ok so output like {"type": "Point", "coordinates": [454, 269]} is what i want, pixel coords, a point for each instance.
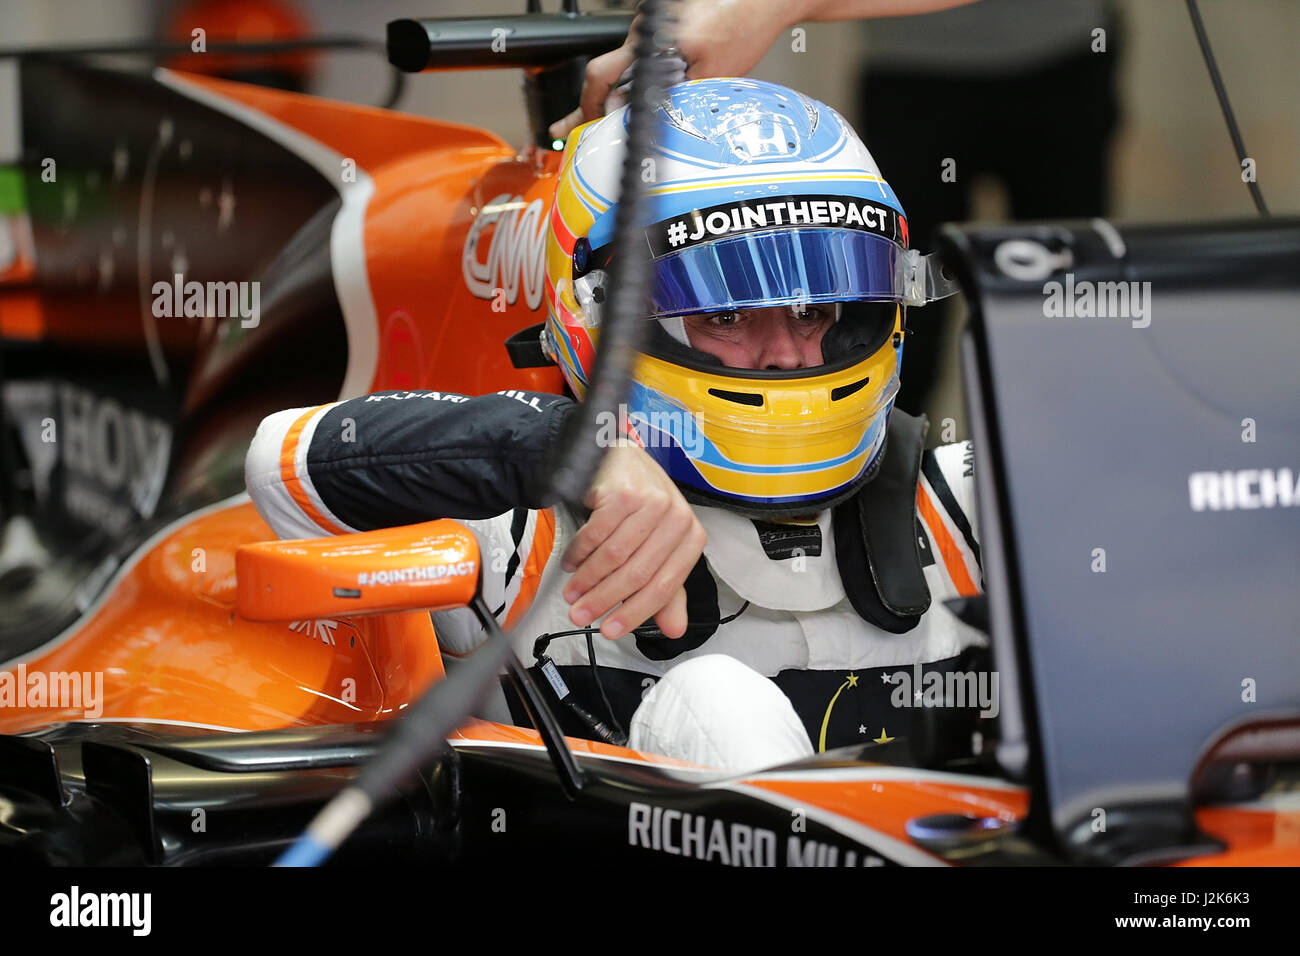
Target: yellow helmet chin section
{"type": "Point", "coordinates": [766, 441]}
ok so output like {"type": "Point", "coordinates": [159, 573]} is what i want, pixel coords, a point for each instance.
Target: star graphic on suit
{"type": "Point", "coordinates": [886, 679]}
{"type": "Point", "coordinates": [850, 680]}
{"type": "Point", "coordinates": [917, 695]}
{"type": "Point", "coordinates": [862, 728]}
{"type": "Point", "coordinates": [884, 738]}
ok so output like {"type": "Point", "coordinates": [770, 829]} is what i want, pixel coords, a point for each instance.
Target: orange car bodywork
{"type": "Point", "coordinates": [165, 633]}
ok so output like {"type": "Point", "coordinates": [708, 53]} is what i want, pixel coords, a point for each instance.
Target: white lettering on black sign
{"type": "Point", "coordinates": [697, 837]}
{"type": "Point", "coordinates": [108, 449]}
{"type": "Point", "coordinates": [738, 218]}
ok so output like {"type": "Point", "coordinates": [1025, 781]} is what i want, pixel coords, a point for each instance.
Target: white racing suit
{"type": "Point", "coordinates": [797, 671]}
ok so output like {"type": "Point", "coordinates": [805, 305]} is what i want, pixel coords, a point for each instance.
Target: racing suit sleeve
{"type": "Point", "coordinates": [397, 458]}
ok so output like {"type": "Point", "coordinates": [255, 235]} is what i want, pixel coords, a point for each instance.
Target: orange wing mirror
{"type": "Point", "coordinates": [433, 565]}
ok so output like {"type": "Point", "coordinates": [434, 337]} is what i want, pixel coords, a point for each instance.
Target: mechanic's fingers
{"type": "Point", "coordinates": [619, 581]}
{"type": "Point", "coordinates": [561, 128]}
{"type": "Point", "coordinates": [613, 510]}
{"type": "Point", "coordinates": [615, 551]}
{"type": "Point", "coordinates": [601, 75]}
{"type": "Point", "coordinates": [672, 619]}
{"type": "Point", "coordinates": [645, 584]}
{"type": "Point", "coordinates": [649, 600]}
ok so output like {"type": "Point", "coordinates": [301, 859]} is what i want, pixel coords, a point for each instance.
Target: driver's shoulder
{"type": "Point", "coordinates": [946, 508]}
{"type": "Point", "coordinates": [950, 469]}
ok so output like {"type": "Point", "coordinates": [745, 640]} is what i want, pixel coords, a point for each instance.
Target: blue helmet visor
{"type": "Point", "coordinates": [779, 267]}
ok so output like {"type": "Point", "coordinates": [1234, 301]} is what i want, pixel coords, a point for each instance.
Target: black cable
{"type": "Point", "coordinates": [641, 630]}
{"type": "Point", "coordinates": [645, 630]}
{"type": "Point", "coordinates": [623, 331]}
{"type": "Point", "coordinates": [600, 686]}
{"type": "Point", "coordinates": [441, 708]}
{"type": "Point", "coordinates": [413, 737]}
{"type": "Point", "coordinates": [437, 713]}
{"type": "Point", "coordinates": [396, 86]}
{"type": "Point", "coordinates": [1203, 39]}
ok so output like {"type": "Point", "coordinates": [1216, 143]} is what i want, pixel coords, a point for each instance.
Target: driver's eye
{"type": "Point", "coordinates": [724, 319]}
{"type": "Point", "coordinates": [810, 313]}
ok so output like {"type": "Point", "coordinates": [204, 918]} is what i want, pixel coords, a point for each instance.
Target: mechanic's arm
{"type": "Point", "coordinates": [395, 458]}
{"type": "Point", "coordinates": [728, 38]}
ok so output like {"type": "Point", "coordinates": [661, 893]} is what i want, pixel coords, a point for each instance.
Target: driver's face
{"type": "Point", "coordinates": [773, 337]}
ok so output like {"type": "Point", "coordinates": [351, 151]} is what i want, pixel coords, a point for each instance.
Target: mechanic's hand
{"type": "Point", "coordinates": [638, 546]}
{"type": "Point", "coordinates": [716, 37]}
{"type": "Point", "coordinates": [727, 38]}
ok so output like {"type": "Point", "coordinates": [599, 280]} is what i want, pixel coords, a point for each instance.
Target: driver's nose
{"type": "Point", "coordinates": [780, 345]}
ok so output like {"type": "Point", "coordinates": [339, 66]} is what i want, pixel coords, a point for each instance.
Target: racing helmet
{"type": "Point", "coordinates": [757, 196]}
